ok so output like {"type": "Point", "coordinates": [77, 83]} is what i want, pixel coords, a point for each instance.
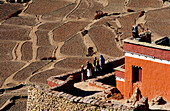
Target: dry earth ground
{"type": "Point", "coordinates": [53, 28]}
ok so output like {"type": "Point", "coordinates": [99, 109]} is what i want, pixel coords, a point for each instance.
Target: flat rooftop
{"type": "Point", "coordinates": [161, 43]}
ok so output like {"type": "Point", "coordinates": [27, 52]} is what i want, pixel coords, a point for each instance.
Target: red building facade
{"type": "Point", "coordinates": [147, 66]}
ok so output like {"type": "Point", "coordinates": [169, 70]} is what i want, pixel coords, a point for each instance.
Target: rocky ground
{"type": "Point", "coordinates": [53, 28]}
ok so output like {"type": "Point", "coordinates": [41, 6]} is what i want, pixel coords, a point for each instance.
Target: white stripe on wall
{"type": "Point", "coordinates": [120, 79]}
{"type": "Point", "coordinates": [145, 57]}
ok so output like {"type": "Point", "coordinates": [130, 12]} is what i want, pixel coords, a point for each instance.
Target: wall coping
{"type": "Point", "coordinates": [57, 79]}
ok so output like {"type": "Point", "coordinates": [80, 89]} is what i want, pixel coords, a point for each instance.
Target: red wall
{"type": "Point", "coordinates": [120, 84]}
{"type": "Point", "coordinates": [158, 53]}
{"type": "Point", "coordinates": [155, 78]}
{"type": "Point", "coordinates": [120, 74]}
{"type": "Point", "coordinates": [52, 84]}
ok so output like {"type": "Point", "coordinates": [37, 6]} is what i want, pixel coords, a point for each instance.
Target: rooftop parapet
{"type": "Point", "coordinates": [161, 43]}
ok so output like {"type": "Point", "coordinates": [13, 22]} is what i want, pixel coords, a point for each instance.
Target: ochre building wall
{"type": "Point", "coordinates": [120, 84]}
{"type": "Point", "coordinates": [155, 78]}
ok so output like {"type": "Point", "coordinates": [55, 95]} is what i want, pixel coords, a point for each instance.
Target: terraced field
{"type": "Point", "coordinates": [53, 28]}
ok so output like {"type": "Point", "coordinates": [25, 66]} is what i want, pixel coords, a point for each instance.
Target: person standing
{"type": "Point", "coordinates": [82, 73]}
{"type": "Point", "coordinates": [94, 64]}
{"type": "Point", "coordinates": [102, 62]}
{"type": "Point", "coordinates": [89, 69]}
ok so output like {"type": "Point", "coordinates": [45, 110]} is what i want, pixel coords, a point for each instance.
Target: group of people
{"type": "Point", "coordinates": [98, 65]}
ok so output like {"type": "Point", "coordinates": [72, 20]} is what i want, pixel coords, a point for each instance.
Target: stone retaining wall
{"type": "Point", "coordinates": [47, 100]}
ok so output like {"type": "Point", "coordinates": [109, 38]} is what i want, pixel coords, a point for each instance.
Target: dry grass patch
{"type": "Point", "coordinates": [8, 8]}
{"type": "Point", "coordinates": [31, 69]}
{"type": "Point", "coordinates": [40, 7]}
{"type": "Point", "coordinates": [43, 39]}
{"type": "Point", "coordinates": [73, 63]}
{"type": "Point", "coordinates": [43, 76]}
{"type": "Point", "coordinates": [21, 20]}
{"type": "Point", "coordinates": [26, 50]}
{"type": "Point", "coordinates": [67, 30]}
{"type": "Point", "coordinates": [104, 40]}
{"type": "Point", "coordinates": [74, 46]}
{"type": "Point", "coordinates": [45, 52]}
{"type": "Point", "coordinates": [8, 68]}
{"type": "Point", "coordinates": [14, 33]}
{"type": "Point", "coordinates": [60, 13]}
{"type": "Point", "coordinates": [6, 50]}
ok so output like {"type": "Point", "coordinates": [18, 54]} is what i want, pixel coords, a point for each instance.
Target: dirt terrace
{"type": "Point", "coordinates": [52, 28]}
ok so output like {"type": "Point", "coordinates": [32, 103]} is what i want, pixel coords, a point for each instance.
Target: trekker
{"type": "Point", "coordinates": [102, 62]}
{"type": "Point", "coordinates": [96, 65]}
{"type": "Point", "coordinates": [89, 69]}
{"type": "Point", "coordinates": [82, 73]}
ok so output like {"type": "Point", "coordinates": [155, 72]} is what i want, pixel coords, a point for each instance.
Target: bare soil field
{"type": "Point", "coordinates": [53, 28]}
{"type": "Point", "coordinates": [103, 21]}
{"type": "Point", "coordinates": [49, 26]}
{"type": "Point", "coordinates": [43, 76]}
{"type": "Point", "coordinates": [42, 38]}
{"type": "Point", "coordinates": [45, 52]}
{"type": "Point", "coordinates": [69, 29]}
{"type": "Point", "coordinates": [78, 49]}
{"type": "Point", "coordinates": [6, 50]}
{"type": "Point", "coordinates": [19, 106]}
{"type": "Point", "coordinates": [159, 15]}
{"type": "Point", "coordinates": [159, 28]}
{"type": "Point", "coordinates": [21, 20]}
{"type": "Point", "coordinates": [59, 14]}
{"type": "Point", "coordinates": [14, 33]}
{"type": "Point", "coordinates": [26, 51]}
{"type": "Point", "coordinates": [140, 4]}
{"type": "Point", "coordinates": [7, 9]}
{"type": "Point", "coordinates": [3, 99]}
{"type": "Point", "coordinates": [91, 12]}
{"type": "Point", "coordinates": [7, 69]}
{"type": "Point", "coordinates": [127, 26]}
{"type": "Point", "coordinates": [40, 7]}
{"type": "Point", "coordinates": [104, 40]}
{"type": "Point", "coordinates": [30, 69]}
{"type": "Point", "coordinates": [80, 10]}
{"type": "Point", "coordinates": [114, 6]}
{"type": "Point", "coordinates": [73, 63]}
{"type": "Point", "coordinates": [158, 20]}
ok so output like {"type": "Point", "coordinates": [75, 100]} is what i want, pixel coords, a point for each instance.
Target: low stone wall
{"type": "Point", "coordinates": [97, 81]}
{"type": "Point", "coordinates": [59, 79]}
{"type": "Point", "coordinates": [47, 100]}
{"type": "Point", "coordinates": [40, 99]}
